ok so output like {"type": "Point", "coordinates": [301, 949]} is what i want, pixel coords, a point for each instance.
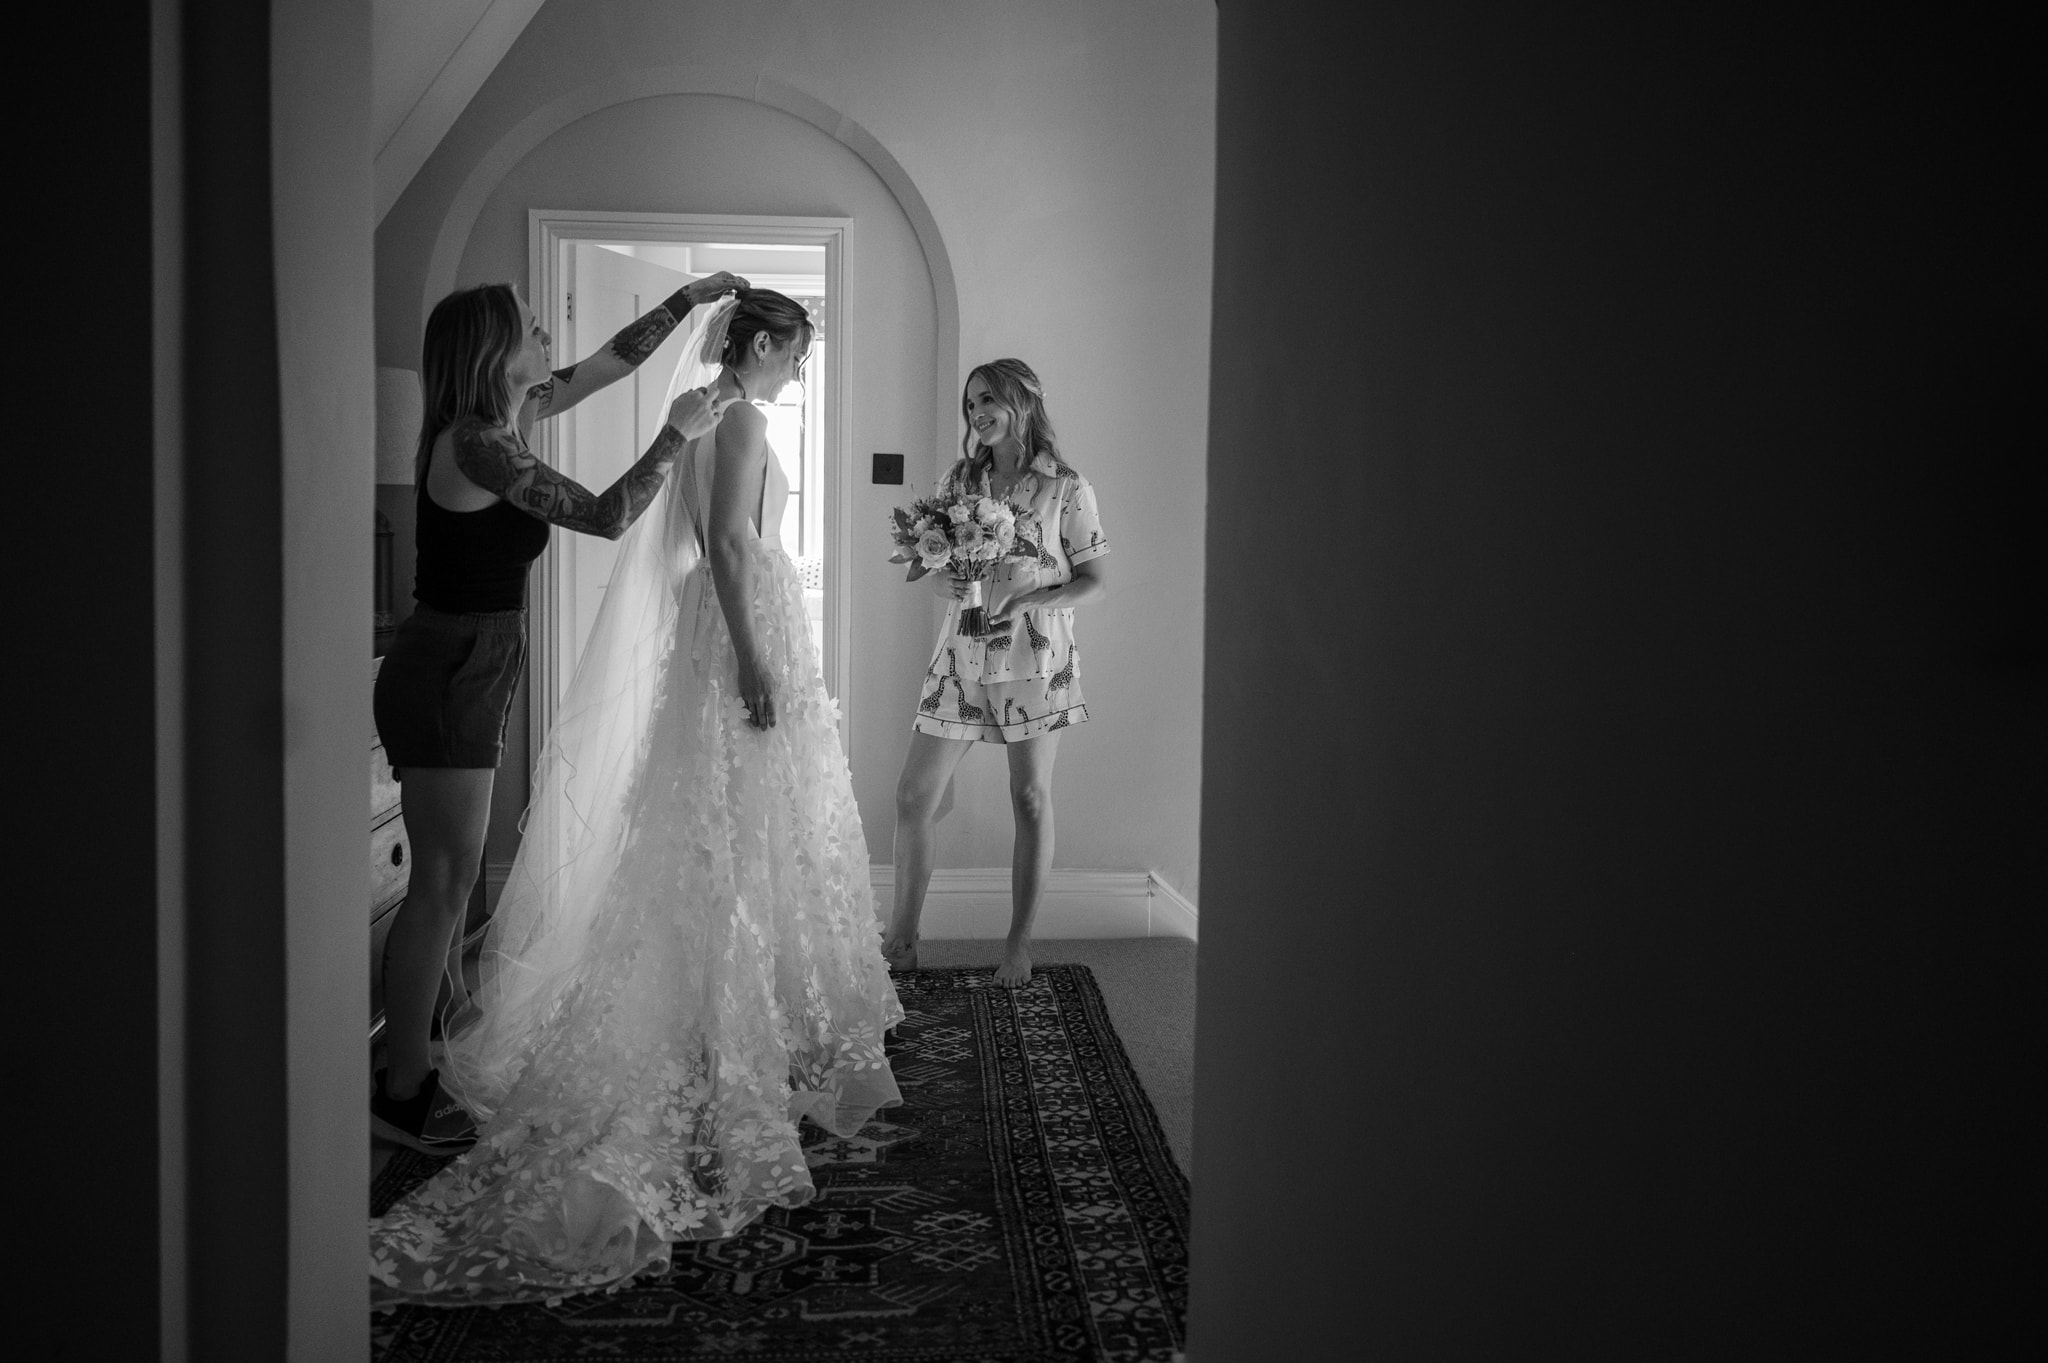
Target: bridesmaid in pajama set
{"type": "Point", "coordinates": [1020, 684]}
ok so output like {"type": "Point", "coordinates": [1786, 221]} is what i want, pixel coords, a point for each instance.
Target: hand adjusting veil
{"type": "Point", "coordinates": [578, 824]}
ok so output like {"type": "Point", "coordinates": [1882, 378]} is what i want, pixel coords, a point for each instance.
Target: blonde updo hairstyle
{"type": "Point", "coordinates": [764, 310]}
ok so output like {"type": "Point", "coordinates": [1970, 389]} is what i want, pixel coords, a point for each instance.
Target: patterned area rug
{"type": "Point", "coordinates": [1020, 1205]}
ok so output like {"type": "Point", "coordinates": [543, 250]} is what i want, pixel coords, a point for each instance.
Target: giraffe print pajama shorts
{"type": "Point", "coordinates": [956, 702]}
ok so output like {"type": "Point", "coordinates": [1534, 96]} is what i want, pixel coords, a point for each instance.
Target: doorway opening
{"type": "Point", "coordinates": [593, 273]}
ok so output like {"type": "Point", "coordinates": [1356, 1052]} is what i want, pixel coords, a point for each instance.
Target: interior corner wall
{"type": "Point", "coordinates": [229, 636]}
{"type": "Point", "coordinates": [240, 821]}
{"type": "Point", "coordinates": [320, 156]}
{"type": "Point", "coordinates": [1063, 150]}
{"type": "Point", "coordinates": [1612, 941]}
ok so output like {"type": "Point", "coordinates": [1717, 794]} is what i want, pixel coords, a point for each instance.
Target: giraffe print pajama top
{"type": "Point", "coordinates": [1025, 681]}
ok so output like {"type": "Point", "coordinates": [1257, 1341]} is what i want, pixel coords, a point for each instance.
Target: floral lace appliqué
{"type": "Point", "coordinates": [732, 986]}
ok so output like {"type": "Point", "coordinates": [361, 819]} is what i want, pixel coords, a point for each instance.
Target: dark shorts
{"type": "Point", "coordinates": [444, 690]}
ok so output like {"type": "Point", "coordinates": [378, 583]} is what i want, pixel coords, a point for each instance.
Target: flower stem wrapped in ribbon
{"type": "Point", "coordinates": [964, 532]}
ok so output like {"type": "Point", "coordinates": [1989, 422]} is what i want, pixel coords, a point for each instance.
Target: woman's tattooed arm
{"type": "Point", "coordinates": [621, 355]}
{"type": "Point", "coordinates": [542, 395]}
{"type": "Point", "coordinates": [498, 461]}
{"type": "Point", "coordinates": [626, 351]}
{"type": "Point", "coordinates": [643, 336]}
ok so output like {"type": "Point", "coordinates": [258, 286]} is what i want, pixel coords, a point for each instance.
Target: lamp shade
{"type": "Point", "coordinates": [399, 412]}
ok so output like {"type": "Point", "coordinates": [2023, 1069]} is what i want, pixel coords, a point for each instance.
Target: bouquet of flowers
{"type": "Point", "coordinates": [962, 531]}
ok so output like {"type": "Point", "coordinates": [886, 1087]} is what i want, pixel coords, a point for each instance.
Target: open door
{"type": "Point", "coordinates": [600, 438]}
{"type": "Point", "coordinates": [594, 272]}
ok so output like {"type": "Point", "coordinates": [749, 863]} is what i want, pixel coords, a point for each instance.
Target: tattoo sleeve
{"type": "Point", "coordinates": [500, 462]}
{"type": "Point", "coordinates": [640, 338]}
{"type": "Point", "coordinates": [544, 393]}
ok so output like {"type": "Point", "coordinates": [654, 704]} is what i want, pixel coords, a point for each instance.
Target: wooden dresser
{"type": "Point", "coordinates": [390, 863]}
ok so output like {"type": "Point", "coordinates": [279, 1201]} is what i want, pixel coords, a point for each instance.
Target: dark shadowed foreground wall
{"type": "Point", "coordinates": [81, 991]}
{"type": "Point", "coordinates": [186, 940]}
{"type": "Point", "coordinates": [1612, 818]}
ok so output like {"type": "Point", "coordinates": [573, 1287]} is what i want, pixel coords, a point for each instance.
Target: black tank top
{"type": "Point", "coordinates": [473, 561]}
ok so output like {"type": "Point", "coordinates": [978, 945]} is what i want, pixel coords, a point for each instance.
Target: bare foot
{"type": "Point", "coordinates": [900, 950]}
{"type": "Point", "coordinates": [1015, 971]}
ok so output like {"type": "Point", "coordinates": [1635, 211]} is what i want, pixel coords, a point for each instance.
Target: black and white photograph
{"type": "Point", "coordinates": [714, 679]}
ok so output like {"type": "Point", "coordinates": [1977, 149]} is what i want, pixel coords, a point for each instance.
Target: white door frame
{"type": "Point", "coordinates": [548, 233]}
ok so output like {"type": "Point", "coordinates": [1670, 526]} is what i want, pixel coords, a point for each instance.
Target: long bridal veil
{"type": "Point", "coordinates": [686, 963]}
{"type": "Point", "coordinates": [577, 825]}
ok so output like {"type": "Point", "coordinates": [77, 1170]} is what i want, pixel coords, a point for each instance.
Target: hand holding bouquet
{"type": "Point", "coordinates": [962, 531]}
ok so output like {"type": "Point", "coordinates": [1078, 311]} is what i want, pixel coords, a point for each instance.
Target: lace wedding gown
{"type": "Point", "coordinates": [686, 961]}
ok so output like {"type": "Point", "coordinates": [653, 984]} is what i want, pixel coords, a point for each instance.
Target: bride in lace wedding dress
{"type": "Point", "coordinates": [686, 960]}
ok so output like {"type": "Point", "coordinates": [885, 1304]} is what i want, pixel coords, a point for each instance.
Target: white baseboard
{"type": "Point", "coordinates": [974, 903]}
{"type": "Point", "coordinates": [1173, 913]}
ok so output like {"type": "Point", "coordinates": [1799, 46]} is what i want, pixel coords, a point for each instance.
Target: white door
{"type": "Point", "coordinates": [602, 437]}
{"type": "Point", "coordinates": [592, 290]}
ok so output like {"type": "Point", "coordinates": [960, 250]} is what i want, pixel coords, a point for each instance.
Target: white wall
{"type": "Point", "coordinates": [709, 153]}
{"type": "Point", "coordinates": [1060, 156]}
{"type": "Point", "coordinates": [320, 168]}
{"type": "Point", "coordinates": [427, 61]}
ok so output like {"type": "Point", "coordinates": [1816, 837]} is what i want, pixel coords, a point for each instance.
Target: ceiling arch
{"type": "Point", "coordinates": [427, 62]}
{"type": "Point", "coordinates": [706, 79]}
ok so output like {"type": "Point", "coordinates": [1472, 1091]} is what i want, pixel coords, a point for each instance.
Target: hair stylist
{"type": "Point", "coordinates": [444, 690]}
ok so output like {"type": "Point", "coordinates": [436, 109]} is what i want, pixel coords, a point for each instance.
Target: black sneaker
{"type": "Point", "coordinates": [430, 1121]}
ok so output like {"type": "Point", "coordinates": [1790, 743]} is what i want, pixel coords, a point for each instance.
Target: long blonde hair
{"type": "Point", "coordinates": [1016, 388]}
{"type": "Point", "coordinates": [465, 359]}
